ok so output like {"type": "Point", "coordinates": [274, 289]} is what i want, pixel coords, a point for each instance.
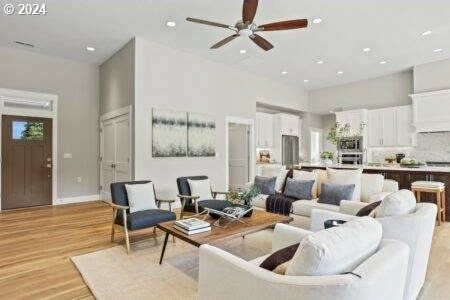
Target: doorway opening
{"type": "Point", "coordinates": [239, 153]}
{"type": "Point", "coordinates": [316, 144]}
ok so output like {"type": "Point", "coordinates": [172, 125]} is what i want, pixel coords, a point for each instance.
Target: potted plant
{"type": "Point", "coordinates": [244, 198]}
{"type": "Point", "coordinates": [327, 157]}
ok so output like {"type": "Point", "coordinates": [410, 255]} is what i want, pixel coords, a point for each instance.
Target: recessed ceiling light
{"type": "Point", "coordinates": [89, 48]}
{"type": "Point", "coordinates": [428, 32]}
{"type": "Point", "coordinates": [242, 51]}
{"type": "Point", "coordinates": [284, 72]}
{"type": "Point", "coordinates": [340, 72]}
{"type": "Point", "coordinates": [366, 50]}
{"type": "Point", "coordinates": [383, 62]}
{"type": "Point", "coordinates": [437, 50]}
{"type": "Point", "coordinates": [305, 80]}
{"type": "Point", "coordinates": [317, 20]}
{"type": "Point", "coordinates": [320, 62]}
{"type": "Point", "coordinates": [171, 24]}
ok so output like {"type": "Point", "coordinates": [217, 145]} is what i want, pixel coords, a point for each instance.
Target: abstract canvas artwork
{"type": "Point", "coordinates": [169, 130]}
{"type": "Point", "coordinates": [201, 135]}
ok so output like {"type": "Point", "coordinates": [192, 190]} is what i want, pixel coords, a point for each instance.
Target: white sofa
{"type": "Point", "coordinates": [301, 209]}
{"type": "Point", "coordinates": [415, 229]}
{"type": "Point", "coordinates": [225, 276]}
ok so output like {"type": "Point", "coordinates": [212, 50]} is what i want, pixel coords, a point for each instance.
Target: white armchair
{"type": "Point", "coordinates": [415, 229]}
{"type": "Point", "coordinates": [225, 276]}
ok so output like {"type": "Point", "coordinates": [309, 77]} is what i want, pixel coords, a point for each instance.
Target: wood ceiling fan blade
{"type": "Point", "coordinates": [261, 42]}
{"type": "Point", "coordinates": [224, 41]}
{"type": "Point", "coordinates": [205, 22]}
{"type": "Point", "coordinates": [249, 10]}
{"type": "Point", "coordinates": [284, 25]}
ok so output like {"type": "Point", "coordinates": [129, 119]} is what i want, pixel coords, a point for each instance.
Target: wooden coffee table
{"type": "Point", "coordinates": [258, 221]}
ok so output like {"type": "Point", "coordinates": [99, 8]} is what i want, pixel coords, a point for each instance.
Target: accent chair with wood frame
{"type": "Point", "coordinates": [136, 220]}
{"type": "Point", "coordinates": [190, 203]}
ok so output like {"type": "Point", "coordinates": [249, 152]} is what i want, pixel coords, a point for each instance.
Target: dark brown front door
{"type": "Point", "coordinates": [26, 161]}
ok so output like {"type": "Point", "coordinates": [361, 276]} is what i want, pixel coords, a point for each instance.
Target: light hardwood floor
{"type": "Point", "coordinates": [36, 246]}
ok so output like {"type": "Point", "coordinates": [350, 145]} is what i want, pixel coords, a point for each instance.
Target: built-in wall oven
{"type": "Point", "coordinates": [351, 150]}
{"type": "Point", "coordinates": [351, 158]}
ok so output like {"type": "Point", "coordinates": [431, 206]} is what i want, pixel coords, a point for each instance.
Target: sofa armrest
{"type": "Point", "coordinates": [285, 235]}
{"type": "Point", "coordinates": [319, 216]}
{"type": "Point", "coordinates": [351, 207]}
{"type": "Point", "coordinates": [390, 185]}
{"type": "Point", "coordinates": [239, 279]}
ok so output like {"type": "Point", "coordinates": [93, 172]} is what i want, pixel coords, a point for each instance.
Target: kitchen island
{"type": "Point", "coordinates": [403, 175]}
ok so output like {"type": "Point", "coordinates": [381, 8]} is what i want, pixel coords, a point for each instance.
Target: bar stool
{"type": "Point", "coordinates": [433, 187]}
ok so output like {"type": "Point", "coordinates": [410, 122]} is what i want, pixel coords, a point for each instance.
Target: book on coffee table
{"type": "Point", "coordinates": [192, 224]}
{"type": "Point", "coordinates": [189, 232]}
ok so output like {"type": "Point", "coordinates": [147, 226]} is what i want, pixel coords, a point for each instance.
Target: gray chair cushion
{"type": "Point", "coordinates": [213, 204]}
{"type": "Point", "coordinates": [147, 218]}
{"type": "Point", "coordinates": [299, 189]}
{"type": "Point", "coordinates": [334, 193]}
{"type": "Point", "coordinates": [266, 185]}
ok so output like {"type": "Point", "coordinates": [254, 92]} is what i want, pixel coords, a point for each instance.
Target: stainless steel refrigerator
{"type": "Point", "coordinates": [290, 150]}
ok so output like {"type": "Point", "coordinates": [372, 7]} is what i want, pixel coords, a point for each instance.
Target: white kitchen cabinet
{"type": "Point", "coordinates": [390, 127]}
{"type": "Point", "coordinates": [405, 130]}
{"type": "Point", "coordinates": [286, 124]}
{"type": "Point", "coordinates": [375, 128]}
{"type": "Point", "coordinates": [354, 118]}
{"type": "Point", "coordinates": [264, 130]}
{"type": "Point", "coordinates": [431, 111]}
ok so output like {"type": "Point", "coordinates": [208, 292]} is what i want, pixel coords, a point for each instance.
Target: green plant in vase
{"type": "Point", "coordinates": [327, 157]}
{"type": "Point", "coordinates": [244, 197]}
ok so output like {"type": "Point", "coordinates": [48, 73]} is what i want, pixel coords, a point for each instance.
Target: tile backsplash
{"type": "Point", "coordinates": [430, 147]}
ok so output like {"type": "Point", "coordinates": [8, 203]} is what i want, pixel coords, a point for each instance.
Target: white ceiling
{"type": "Point", "coordinates": [391, 28]}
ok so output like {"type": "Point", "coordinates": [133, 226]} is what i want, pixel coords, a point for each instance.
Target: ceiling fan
{"type": "Point", "coordinates": [246, 27]}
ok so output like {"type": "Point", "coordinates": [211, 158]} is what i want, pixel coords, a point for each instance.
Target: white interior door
{"type": "Point", "coordinates": [238, 155]}
{"type": "Point", "coordinates": [115, 153]}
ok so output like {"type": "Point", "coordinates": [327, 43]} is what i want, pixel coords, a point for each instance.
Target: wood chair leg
{"type": "Point", "coordinates": [196, 206]}
{"type": "Point", "coordinates": [183, 204]}
{"type": "Point", "coordinates": [127, 237]}
{"type": "Point", "coordinates": [173, 239]}
{"type": "Point", "coordinates": [444, 206]}
{"type": "Point", "coordinates": [439, 205]}
{"type": "Point", "coordinates": [113, 223]}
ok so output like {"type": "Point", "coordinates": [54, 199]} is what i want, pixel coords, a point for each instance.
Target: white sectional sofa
{"type": "Point", "coordinates": [225, 276]}
{"type": "Point", "coordinates": [414, 229]}
{"type": "Point", "coordinates": [373, 188]}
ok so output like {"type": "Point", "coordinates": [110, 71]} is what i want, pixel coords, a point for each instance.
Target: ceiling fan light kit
{"type": "Point", "coordinates": [247, 28]}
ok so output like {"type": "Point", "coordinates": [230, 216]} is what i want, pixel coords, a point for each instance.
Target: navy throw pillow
{"type": "Point", "coordinates": [266, 185]}
{"type": "Point", "coordinates": [334, 193]}
{"type": "Point", "coordinates": [298, 189]}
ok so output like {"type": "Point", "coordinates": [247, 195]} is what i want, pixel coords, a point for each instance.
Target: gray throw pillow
{"type": "Point", "coordinates": [299, 189]}
{"type": "Point", "coordinates": [334, 193]}
{"type": "Point", "coordinates": [266, 185]}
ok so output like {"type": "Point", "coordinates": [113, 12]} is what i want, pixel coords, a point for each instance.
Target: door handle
{"type": "Point", "coordinates": [113, 166]}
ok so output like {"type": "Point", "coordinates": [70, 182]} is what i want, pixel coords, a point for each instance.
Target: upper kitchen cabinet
{"type": "Point", "coordinates": [354, 118]}
{"type": "Point", "coordinates": [285, 124]}
{"type": "Point", "coordinates": [264, 130]}
{"type": "Point", "coordinates": [389, 127]}
{"type": "Point", "coordinates": [405, 129]}
{"type": "Point", "coordinates": [431, 111]}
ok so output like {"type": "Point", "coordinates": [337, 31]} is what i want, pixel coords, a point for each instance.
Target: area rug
{"type": "Point", "coordinates": [112, 274]}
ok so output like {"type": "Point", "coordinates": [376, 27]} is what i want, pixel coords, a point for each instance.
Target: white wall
{"type": "Point", "coordinates": [168, 78]}
{"type": "Point", "coordinates": [76, 85]}
{"type": "Point", "coordinates": [391, 90]}
{"type": "Point", "coordinates": [431, 77]}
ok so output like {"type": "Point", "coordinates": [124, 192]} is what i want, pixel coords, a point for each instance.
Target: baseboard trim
{"type": "Point", "coordinates": [78, 199]}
